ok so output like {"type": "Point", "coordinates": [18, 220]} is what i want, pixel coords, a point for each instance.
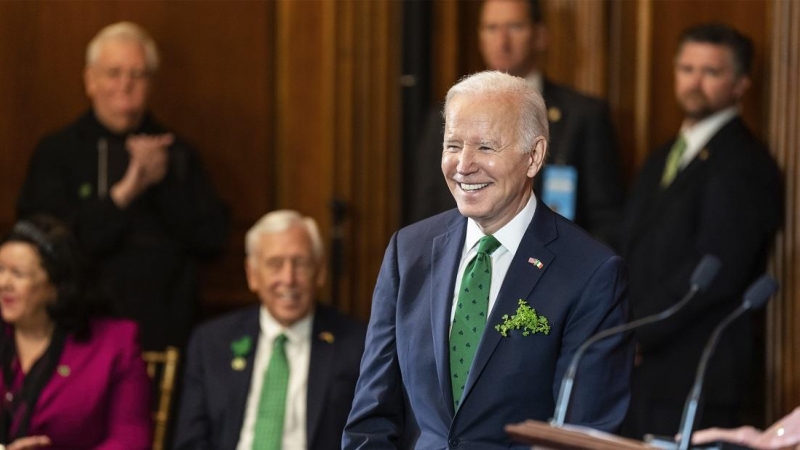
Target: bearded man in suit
{"type": "Point", "coordinates": [442, 367]}
{"type": "Point", "coordinates": [714, 189]}
{"type": "Point", "coordinates": [232, 361]}
{"type": "Point", "coordinates": [583, 151]}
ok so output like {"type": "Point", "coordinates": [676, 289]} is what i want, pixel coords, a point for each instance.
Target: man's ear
{"type": "Point", "coordinates": [322, 273]}
{"type": "Point", "coordinates": [249, 272]}
{"type": "Point", "coordinates": [536, 156]}
{"type": "Point", "coordinates": [541, 38]}
{"type": "Point", "coordinates": [741, 86]}
{"type": "Point", "coordinates": [88, 82]}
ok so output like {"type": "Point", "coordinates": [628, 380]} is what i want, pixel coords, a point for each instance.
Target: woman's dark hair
{"type": "Point", "coordinates": [77, 300]}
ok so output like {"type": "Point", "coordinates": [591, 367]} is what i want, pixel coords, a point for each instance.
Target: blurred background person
{"type": "Point", "coordinates": [582, 155]}
{"type": "Point", "coordinates": [72, 378]}
{"type": "Point", "coordinates": [290, 348]}
{"type": "Point", "coordinates": [714, 189]}
{"type": "Point", "coordinates": [137, 197]}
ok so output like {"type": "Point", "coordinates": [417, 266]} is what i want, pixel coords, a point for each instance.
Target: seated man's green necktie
{"type": "Point", "coordinates": [272, 405]}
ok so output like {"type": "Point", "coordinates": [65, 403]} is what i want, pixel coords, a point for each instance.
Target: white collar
{"type": "Point", "coordinates": [297, 332]}
{"type": "Point", "coordinates": [536, 80]}
{"type": "Point", "coordinates": [510, 235]}
{"type": "Point", "coordinates": [698, 135]}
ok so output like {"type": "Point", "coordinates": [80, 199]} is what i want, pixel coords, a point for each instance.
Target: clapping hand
{"type": "Point", "coordinates": [149, 161]}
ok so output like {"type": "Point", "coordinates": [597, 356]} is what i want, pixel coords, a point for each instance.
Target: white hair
{"type": "Point", "coordinates": [282, 220]}
{"type": "Point", "coordinates": [124, 31]}
{"type": "Point", "coordinates": [532, 113]}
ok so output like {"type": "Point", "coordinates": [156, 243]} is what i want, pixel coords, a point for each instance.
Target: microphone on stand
{"type": "Point", "coordinates": [755, 297]}
{"type": "Point", "coordinates": [703, 275]}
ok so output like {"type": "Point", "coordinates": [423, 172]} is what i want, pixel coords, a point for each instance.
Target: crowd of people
{"type": "Point", "coordinates": [479, 305]}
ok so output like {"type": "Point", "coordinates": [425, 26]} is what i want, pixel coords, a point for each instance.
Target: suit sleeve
{"type": "Point", "coordinates": [376, 420]}
{"type": "Point", "coordinates": [601, 392]}
{"type": "Point", "coordinates": [193, 431]}
{"type": "Point", "coordinates": [185, 204]}
{"type": "Point", "coordinates": [740, 210]}
{"type": "Point", "coordinates": [189, 205]}
{"type": "Point", "coordinates": [130, 423]}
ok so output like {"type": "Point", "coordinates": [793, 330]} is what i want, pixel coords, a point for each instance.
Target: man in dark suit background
{"type": "Point", "coordinates": [513, 37]}
{"type": "Point", "coordinates": [714, 189]}
{"type": "Point", "coordinates": [417, 386]}
{"type": "Point", "coordinates": [231, 359]}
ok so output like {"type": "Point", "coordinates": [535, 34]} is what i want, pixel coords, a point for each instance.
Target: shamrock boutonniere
{"type": "Point", "coordinates": [525, 319]}
{"type": "Point", "coordinates": [241, 348]}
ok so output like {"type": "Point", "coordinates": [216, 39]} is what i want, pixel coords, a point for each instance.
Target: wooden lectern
{"type": "Point", "coordinates": [571, 437]}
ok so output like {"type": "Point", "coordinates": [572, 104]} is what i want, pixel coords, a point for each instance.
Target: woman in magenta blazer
{"type": "Point", "coordinates": [71, 379]}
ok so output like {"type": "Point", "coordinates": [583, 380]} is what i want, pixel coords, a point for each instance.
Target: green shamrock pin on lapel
{"type": "Point", "coordinates": [241, 348]}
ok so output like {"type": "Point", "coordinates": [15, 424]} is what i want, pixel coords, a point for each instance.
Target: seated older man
{"type": "Point", "coordinates": [280, 375]}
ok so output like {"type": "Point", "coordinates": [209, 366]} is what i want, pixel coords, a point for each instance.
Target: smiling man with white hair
{"type": "Point", "coordinates": [477, 311]}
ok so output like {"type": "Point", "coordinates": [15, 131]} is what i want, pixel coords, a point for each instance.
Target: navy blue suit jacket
{"type": "Point", "coordinates": [403, 397]}
{"type": "Point", "coordinates": [214, 394]}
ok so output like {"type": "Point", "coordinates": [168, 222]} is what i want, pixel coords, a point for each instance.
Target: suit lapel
{"type": "Point", "coordinates": [238, 381]}
{"type": "Point", "coordinates": [445, 256]}
{"type": "Point", "coordinates": [319, 372]}
{"type": "Point", "coordinates": [687, 178]}
{"type": "Point", "coordinates": [519, 282]}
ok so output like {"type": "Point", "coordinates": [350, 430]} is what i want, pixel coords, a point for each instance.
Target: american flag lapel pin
{"type": "Point", "coordinates": [535, 262]}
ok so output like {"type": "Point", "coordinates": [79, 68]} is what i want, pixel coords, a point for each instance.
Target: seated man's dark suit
{"type": "Point", "coordinates": [581, 135]}
{"type": "Point", "coordinates": [214, 393]}
{"type": "Point", "coordinates": [726, 202]}
{"type": "Point", "coordinates": [404, 398]}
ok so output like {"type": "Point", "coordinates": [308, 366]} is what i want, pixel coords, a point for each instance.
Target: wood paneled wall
{"type": "Point", "coordinates": [783, 317]}
{"type": "Point", "coordinates": [337, 132]}
{"type": "Point", "coordinates": [291, 105]}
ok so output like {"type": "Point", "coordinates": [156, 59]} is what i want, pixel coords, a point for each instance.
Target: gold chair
{"type": "Point", "coordinates": [162, 367]}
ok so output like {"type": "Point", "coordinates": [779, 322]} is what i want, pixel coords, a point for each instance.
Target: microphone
{"type": "Point", "coordinates": [755, 297]}
{"type": "Point", "coordinates": [703, 275]}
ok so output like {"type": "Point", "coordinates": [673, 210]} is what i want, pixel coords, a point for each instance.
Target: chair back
{"type": "Point", "coordinates": [162, 368]}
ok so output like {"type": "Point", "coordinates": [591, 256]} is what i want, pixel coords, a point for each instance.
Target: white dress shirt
{"type": "Point", "coordinates": [509, 236]}
{"type": "Point", "coordinates": [536, 80]}
{"type": "Point", "coordinates": [698, 135]}
{"type": "Point", "coordinates": [298, 351]}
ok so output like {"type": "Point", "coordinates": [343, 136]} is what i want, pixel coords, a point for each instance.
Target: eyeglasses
{"type": "Point", "coordinates": [116, 73]}
{"type": "Point", "coordinates": [301, 265]}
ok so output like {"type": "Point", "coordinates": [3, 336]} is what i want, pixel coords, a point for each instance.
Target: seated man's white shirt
{"type": "Point", "coordinates": [298, 351]}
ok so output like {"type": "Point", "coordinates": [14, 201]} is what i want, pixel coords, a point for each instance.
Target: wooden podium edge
{"type": "Point", "coordinates": [571, 437]}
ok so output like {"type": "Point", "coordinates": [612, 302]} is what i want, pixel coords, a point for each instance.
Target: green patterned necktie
{"type": "Point", "coordinates": [268, 433]}
{"type": "Point", "coordinates": [672, 167]}
{"type": "Point", "coordinates": [470, 317]}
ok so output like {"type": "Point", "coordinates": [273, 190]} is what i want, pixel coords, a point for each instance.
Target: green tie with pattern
{"type": "Point", "coordinates": [470, 317]}
{"type": "Point", "coordinates": [268, 433]}
{"type": "Point", "coordinates": [673, 164]}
